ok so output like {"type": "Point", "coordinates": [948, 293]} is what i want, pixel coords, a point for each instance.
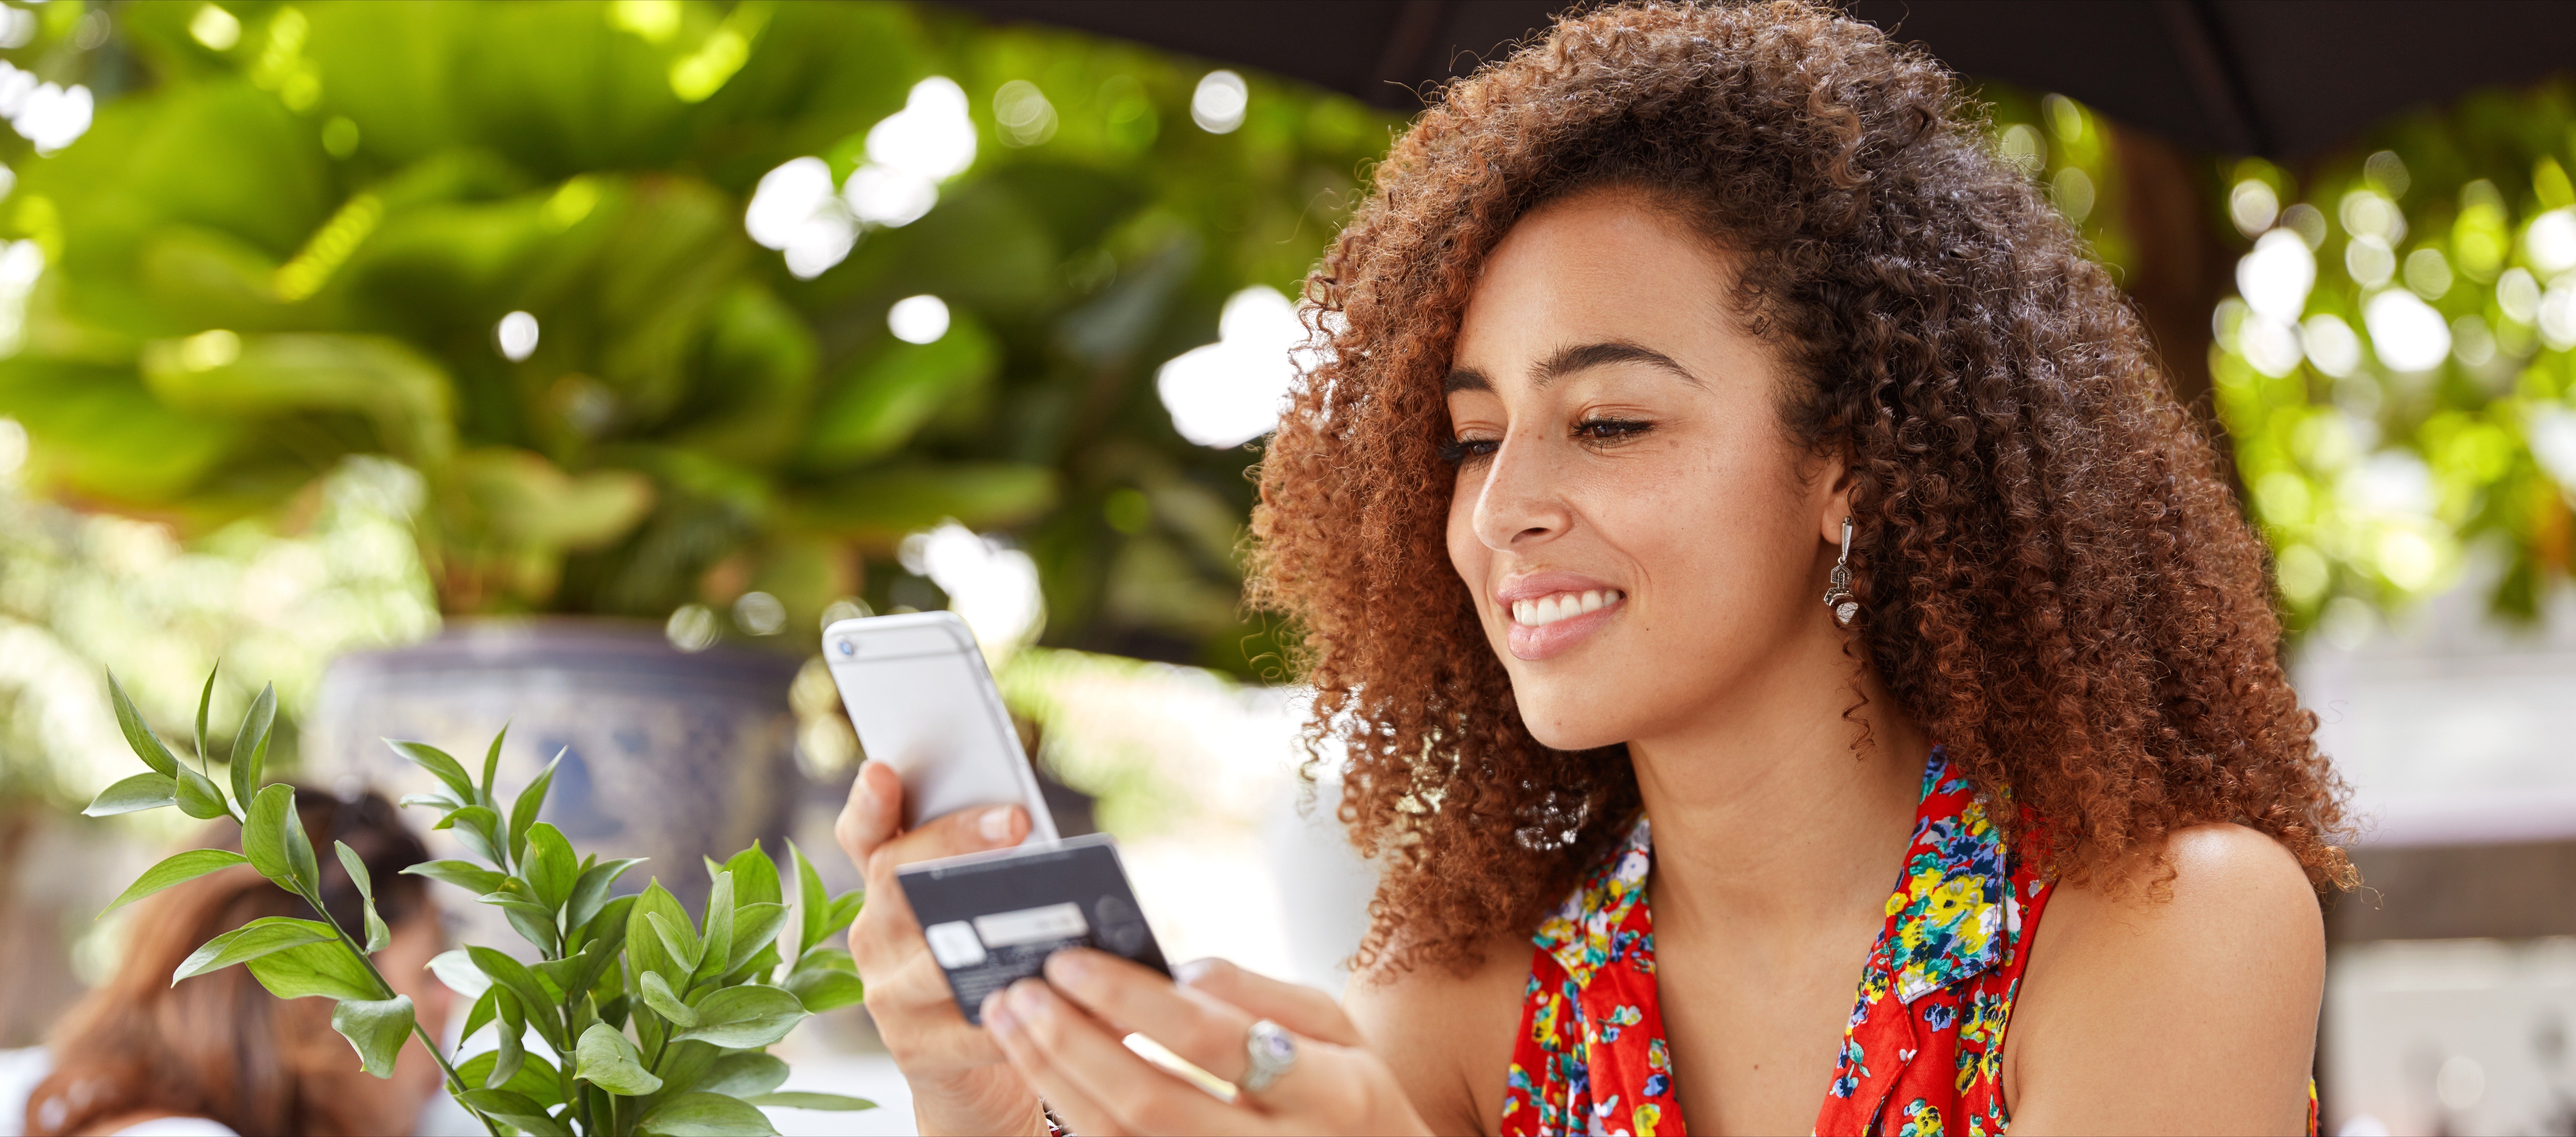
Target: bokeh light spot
{"type": "Point", "coordinates": [1022, 111]}
{"type": "Point", "coordinates": [217, 29]}
{"type": "Point", "coordinates": [1230, 392]}
{"type": "Point", "coordinates": [2406, 332]}
{"type": "Point", "coordinates": [516, 336]}
{"type": "Point", "coordinates": [2253, 206]}
{"type": "Point", "coordinates": [1218, 104]}
{"type": "Point", "coordinates": [918, 319]}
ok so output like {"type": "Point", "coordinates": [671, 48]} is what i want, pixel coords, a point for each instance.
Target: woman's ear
{"type": "Point", "coordinates": [1833, 486]}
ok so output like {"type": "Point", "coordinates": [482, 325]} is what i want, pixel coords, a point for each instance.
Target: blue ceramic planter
{"type": "Point", "coordinates": [668, 754]}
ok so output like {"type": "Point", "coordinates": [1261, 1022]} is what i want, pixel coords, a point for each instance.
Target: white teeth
{"type": "Point", "coordinates": [1550, 609]}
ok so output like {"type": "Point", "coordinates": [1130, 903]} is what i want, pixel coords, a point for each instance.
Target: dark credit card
{"type": "Point", "coordinates": [992, 919]}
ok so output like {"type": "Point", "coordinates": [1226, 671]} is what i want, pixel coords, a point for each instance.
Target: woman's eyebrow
{"type": "Point", "coordinates": [1465, 379]}
{"type": "Point", "coordinates": [1582, 357]}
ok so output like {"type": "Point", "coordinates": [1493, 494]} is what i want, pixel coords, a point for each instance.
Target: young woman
{"type": "Point", "coordinates": [217, 1054]}
{"type": "Point", "coordinates": [1795, 662]}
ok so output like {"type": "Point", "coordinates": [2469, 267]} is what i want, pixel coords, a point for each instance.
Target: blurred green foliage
{"type": "Point", "coordinates": [293, 230]}
{"type": "Point", "coordinates": [2403, 423]}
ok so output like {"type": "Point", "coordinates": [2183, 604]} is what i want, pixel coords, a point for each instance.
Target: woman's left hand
{"type": "Point", "coordinates": [1063, 1037]}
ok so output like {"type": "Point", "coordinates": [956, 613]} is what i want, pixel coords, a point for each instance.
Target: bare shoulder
{"type": "Point", "coordinates": [2224, 886]}
{"type": "Point", "coordinates": [2183, 999]}
{"type": "Point", "coordinates": [1447, 1034]}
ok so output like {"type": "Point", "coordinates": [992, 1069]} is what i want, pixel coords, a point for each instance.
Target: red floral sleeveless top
{"type": "Point", "coordinates": [1921, 1056]}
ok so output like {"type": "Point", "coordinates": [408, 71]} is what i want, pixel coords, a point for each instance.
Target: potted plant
{"type": "Point", "coordinates": [620, 282]}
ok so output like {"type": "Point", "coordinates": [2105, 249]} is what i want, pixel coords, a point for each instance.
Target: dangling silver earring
{"type": "Point", "coordinates": [1838, 593]}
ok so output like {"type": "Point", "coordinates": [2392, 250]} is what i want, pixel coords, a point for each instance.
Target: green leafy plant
{"type": "Point", "coordinates": [661, 1023]}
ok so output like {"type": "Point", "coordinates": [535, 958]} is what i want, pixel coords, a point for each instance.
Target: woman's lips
{"type": "Point", "coordinates": [1543, 626]}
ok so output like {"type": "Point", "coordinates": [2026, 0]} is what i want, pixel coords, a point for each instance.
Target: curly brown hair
{"type": "Point", "coordinates": [2055, 578]}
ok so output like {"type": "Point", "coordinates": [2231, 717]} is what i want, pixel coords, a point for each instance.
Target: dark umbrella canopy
{"type": "Point", "coordinates": [2282, 78]}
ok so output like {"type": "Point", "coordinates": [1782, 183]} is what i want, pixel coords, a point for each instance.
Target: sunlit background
{"type": "Point", "coordinates": [331, 329]}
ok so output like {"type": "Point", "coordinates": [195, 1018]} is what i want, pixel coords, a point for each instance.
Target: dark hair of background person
{"type": "Point", "coordinates": [219, 1046]}
{"type": "Point", "coordinates": [2055, 578]}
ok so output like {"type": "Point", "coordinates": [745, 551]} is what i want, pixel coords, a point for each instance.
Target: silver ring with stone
{"type": "Point", "coordinates": [1272, 1051]}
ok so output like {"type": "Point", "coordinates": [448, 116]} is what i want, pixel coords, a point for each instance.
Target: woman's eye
{"type": "Point", "coordinates": [1601, 430]}
{"type": "Point", "coordinates": [1458, 451]}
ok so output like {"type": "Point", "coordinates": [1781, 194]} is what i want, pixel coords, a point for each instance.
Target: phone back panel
{"type": "Point", "coordinates": [917, 690]}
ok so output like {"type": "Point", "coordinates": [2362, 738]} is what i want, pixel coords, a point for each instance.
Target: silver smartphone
{"type": "Point", "coordinates": [924, 703]}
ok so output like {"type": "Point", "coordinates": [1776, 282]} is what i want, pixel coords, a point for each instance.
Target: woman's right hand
{"type": "Point", "coordinates": [960, 1081]}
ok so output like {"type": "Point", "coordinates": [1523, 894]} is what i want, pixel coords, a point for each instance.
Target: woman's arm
{"type": "Point", "coordinates": [1447, 1037]}
{"type": "Point", "coordinates": [2185, 1008]}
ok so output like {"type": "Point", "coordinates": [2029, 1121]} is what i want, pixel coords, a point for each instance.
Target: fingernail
{"type": "Point", "coordinates": [1068, 967]}
{"type": "Point", "coordinates": [997, 1016]}
{"type": "Point", "coordinates": [1190, 973]}
{"type": "Point", "coordinates": [1027, 999]}
{"type": "Point", "coordinates": [995, 825]}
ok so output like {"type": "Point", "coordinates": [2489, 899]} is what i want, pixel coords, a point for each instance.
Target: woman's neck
{"type": "Point", "coordinates": [1767, 815]}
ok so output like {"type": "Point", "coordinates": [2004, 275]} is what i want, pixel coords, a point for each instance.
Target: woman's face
{"type": "Point", "coordinates": [1638, 530]}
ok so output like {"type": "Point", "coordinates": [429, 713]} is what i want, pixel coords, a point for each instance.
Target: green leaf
{"type": "Point", "coordinates": [178, 869]}
{"type": "Point", "coordinates": [644, 945]}
{"type": "Point", "coordinates": [475, 826]}
{"type": "Point", "coordinates": [523, 810]}
{"type": "Point", "coordinates": [467, 875]}
{"type": "Point", "coordinates": [536, 1080]}
{"type": "Point", "coordinates": [198, 796]}
{"type": "Point", "coordinates": [250, 744]}
{"type": "Point", "coordinates": [356, 868]}
{"type": "Point", "coordinates": [299, 855]}
{"type": "Point", "coordinates": [746, 1017]}
{"type": "Point", "coordinates": [514, 978]}
{"type": "Point", "coordinates": [511, 1047]}
{"type": "Point", "coordinates": [205, 699]}
{"type": "Point", "coordinates": [146, 745]}
{"type": "Point", "coordinates": [379, 937]}
{"type": "Point", "coordinates": [678, 942]}
{"type": "Point", "coordinates": [845, 908]}
{"type": "Point", "coordinates": [250, 941]}
{"type": "Point", "coordinates": [802, 1100]}
{"type": "Point", "coordinates": [705, 1115]}
{"type": "Point", "coordinates": [590, 892]}
{"type": "Point", "coordinates": [884, 503]}
{"type": "Point", "coordinates": [456, 969]}
{"type": "Point", "coordinates": [715, 947]}
{"type": "Point", "coordinates": [448, 770]}
{"type": "Point", "coordinates": [487, 1008]}
{"type": "Point", "coordinates": [658, 995]}
{"type": "Point", "coordinates": [744, 1074]}
{"type": "Point", "coordinates": [328, 970]}
{"type": "Point", "coordinates": [889, 398]}
{"type": "Point", "coordinates": [492, 766]}
{"type": "Point", "coordinates": [607, 1060]}
{"type": "Point", "coordinates": [578, 972]}
{"type": "Point", "coordinates": [550, 865]}
{"type": "Point", "coordinates": [516, 1110]}
{"type": "Point", "coordinates": [755, 878]}
{"type": "Point", "coordinates": [813, 907]}
{"type": "Point", "coordinates": [755, 927]}
{"type": "Point", "coordinates": [376, 1027]}
{"type": "Point", "coordinates": [823, 989]}
{"type": "Point", "coordinates": [264, 827]}
{"type": "Point", "coordinates": [535, 922]}
{"type": "Point", "coordinates": [609, 926]}
{"type": "Point", "coordinates": [441, 802]}
{"type": "Point", "coordinates": [142, 791]}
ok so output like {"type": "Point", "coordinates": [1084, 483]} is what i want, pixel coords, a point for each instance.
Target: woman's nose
{"type": "Point", "coordinates": [1521, 503]}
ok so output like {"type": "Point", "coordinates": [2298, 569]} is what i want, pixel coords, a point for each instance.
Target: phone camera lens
{"type": "Point", "coordinates": [849, 648]}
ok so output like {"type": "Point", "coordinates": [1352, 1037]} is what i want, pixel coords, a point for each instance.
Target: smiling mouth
{"type": "Point", "coordinates": [1563, 606]}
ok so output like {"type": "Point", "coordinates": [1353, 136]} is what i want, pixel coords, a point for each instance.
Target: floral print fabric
{"type": "Point", "coordinates": [1922, 1054]}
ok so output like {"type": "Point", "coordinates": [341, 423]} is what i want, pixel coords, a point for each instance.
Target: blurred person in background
{"type": "Point", "coordinates": [1648, 338]}
{"type": "Point", "coordinates": [217, 1054]}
